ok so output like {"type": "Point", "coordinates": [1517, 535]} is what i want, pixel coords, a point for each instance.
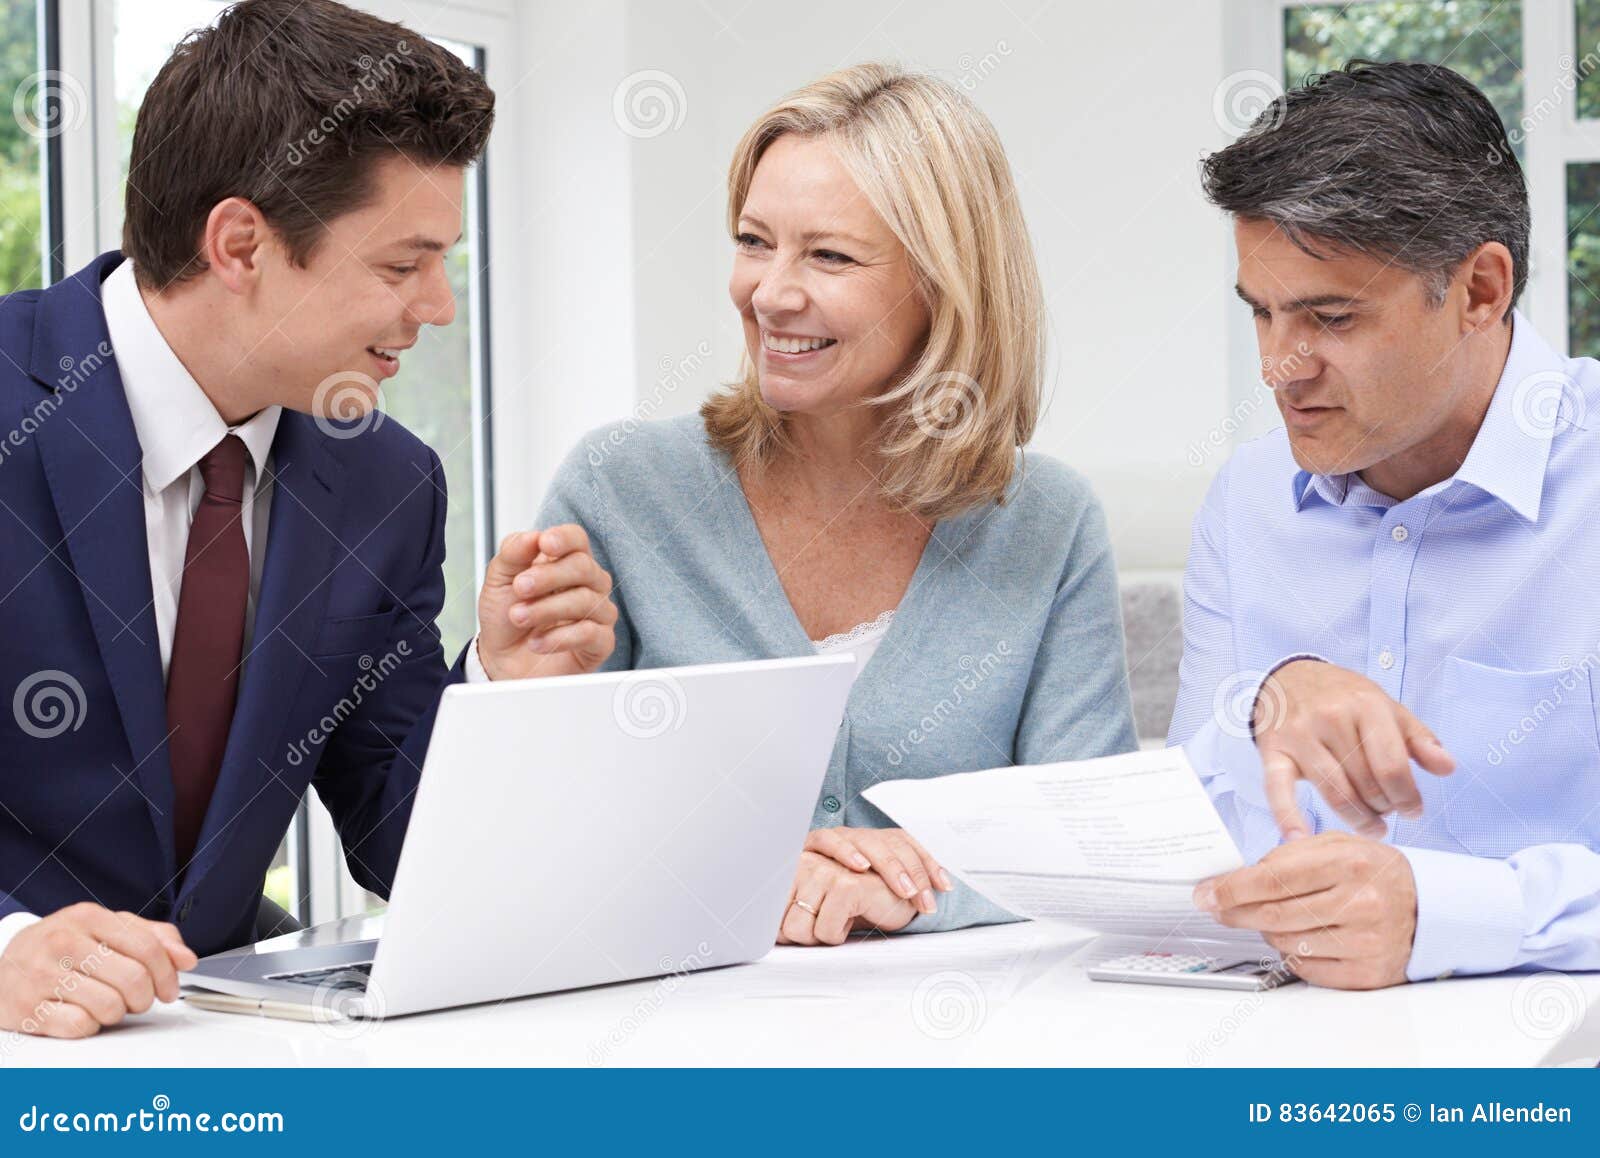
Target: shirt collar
{"type": "Point", "coordinates": [1338, 490]}
{"type": "Point", "coordinates": [175, 422]}
{"type": "Point", "coordinates": [1512, 446]}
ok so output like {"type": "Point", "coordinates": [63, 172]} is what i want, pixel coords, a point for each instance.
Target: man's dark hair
{"type": "Point", "coordinates": [1404, 162]}
{"type": "Point", "coordinates": [289, 104]}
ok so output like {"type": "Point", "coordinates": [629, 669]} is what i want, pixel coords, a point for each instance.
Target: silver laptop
{"type": "Point", "coordinates": [578, 831]}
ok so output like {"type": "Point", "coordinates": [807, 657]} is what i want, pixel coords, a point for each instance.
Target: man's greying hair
{"type": "Point", "coordinates": [1405, 162]}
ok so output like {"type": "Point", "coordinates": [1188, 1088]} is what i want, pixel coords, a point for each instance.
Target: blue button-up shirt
{"type": "Point", "coordinates": [1476, 603]}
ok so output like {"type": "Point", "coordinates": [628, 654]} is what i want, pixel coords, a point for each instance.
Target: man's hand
{"type": "Point", "coordinates": [829, 902]}
{"type": "Point", "coordinates": [1323, 723]}
{"type": "Point", "coordinates": [545, 608]}
{"type": "Point", "coordinates": [83, 967]}
{"type": "Point", "coordinates": [893, 853]}
{"type": "Point", "coordinates": [1341, 910]}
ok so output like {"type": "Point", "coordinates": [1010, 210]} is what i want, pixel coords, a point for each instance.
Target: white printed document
{"type": "Point", "coordinates": [1115, 845]}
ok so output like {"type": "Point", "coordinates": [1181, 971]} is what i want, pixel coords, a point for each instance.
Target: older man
{"type": "Point", "coordinates": [1391, 615]}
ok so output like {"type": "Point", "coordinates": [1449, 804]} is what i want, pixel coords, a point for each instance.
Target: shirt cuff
{"type": "Point", "coordinates": [13, 924]}
{"type": "Point", "coordinates": [474, 666]}
{"type": "Point", "coordinates": [1469, 914]}
{"type": "Point", "coordinates": [1274, 669]}
{"type": "Point", "coordinates": [1227, 743]}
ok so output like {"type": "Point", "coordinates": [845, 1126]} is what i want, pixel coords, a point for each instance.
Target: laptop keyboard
{"type": "Point", "coordinates": [339, 977]}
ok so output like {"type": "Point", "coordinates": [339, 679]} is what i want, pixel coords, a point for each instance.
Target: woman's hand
{"type": "Point", "coordinates": [829, 902]}
{"type": "Point", "coordinates": [545, 608]}
{"type": "Point", "coordinates": [903, 865]}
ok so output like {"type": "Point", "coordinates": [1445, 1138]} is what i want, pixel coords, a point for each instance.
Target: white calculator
{"type": "Point", "coordinates": [1225, 970]}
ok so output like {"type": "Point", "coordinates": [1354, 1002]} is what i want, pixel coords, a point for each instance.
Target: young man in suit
{"type": "Point", "coordinates": [221, 575]}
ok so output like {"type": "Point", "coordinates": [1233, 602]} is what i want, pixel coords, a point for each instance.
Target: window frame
{"type": "Point", "coordinates": [48, 61]}
{"type": "Point", "coordinates": [82, 169]}
{"type": "Point", "coordinates": [53, 260]}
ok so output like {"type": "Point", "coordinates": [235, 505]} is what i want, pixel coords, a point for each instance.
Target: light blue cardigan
{"type": "Point", "coordinates": [1006, 649]}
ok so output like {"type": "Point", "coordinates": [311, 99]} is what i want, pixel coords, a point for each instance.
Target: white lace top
{"type": "Point", "coordinates": [862, 640]}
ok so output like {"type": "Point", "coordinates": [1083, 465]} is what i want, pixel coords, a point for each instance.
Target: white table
{"type": "Point", "coordinates": [996, 996]}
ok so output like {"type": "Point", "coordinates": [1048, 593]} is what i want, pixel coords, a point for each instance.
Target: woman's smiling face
{"type": "Point", "coordinates": [832, 314]}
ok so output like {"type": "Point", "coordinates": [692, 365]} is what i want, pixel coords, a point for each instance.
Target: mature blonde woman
{"type": "Point", "coordinates": [863, 488]}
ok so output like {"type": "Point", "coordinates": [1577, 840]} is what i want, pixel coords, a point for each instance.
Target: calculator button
{"type": "Point", "coordinates": [1163, 963]}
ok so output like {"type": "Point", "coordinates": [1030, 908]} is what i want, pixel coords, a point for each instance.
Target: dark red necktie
{"type": "Point", "coordinates": [208, 642]}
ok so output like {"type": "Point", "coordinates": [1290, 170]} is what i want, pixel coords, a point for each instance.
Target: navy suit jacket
{"type": "Point", "coordinates": [341, 680]}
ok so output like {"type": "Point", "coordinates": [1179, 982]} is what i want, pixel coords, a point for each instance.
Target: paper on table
{"type": "Point", "coordinates": [1115, 844]}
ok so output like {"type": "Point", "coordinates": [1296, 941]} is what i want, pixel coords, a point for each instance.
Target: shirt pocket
{"type": "Point", "coordinates": [1527, 749]}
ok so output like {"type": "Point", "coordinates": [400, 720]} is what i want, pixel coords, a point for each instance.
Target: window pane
{"type": "Point", "coordinates": [1480, 39]}
{"type": "Point", "coordinates": [146, 33]}
{"type": "Point", "coordinates": [279, 885]}
{"type": "Point", "coordinates": [1583, 260]}
{"type": "Point", "coordinates": [1587, 63]}
{"type": "Point", "coordinates": [23, 129]}
{"type": "Point", "coordinates": [436, 395]}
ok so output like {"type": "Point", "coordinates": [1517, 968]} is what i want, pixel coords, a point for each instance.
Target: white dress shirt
{"type": "Point", "coordinates": [177, 426]}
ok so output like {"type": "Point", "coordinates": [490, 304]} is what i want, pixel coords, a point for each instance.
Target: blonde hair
{"type": "Point", "coordinates": [932, 167]}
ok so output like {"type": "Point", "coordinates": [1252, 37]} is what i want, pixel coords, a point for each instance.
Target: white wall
{"type": "Point", "coordinates": [572, 324]}
{"type": "Point", "coordinates": [1105, 111]}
